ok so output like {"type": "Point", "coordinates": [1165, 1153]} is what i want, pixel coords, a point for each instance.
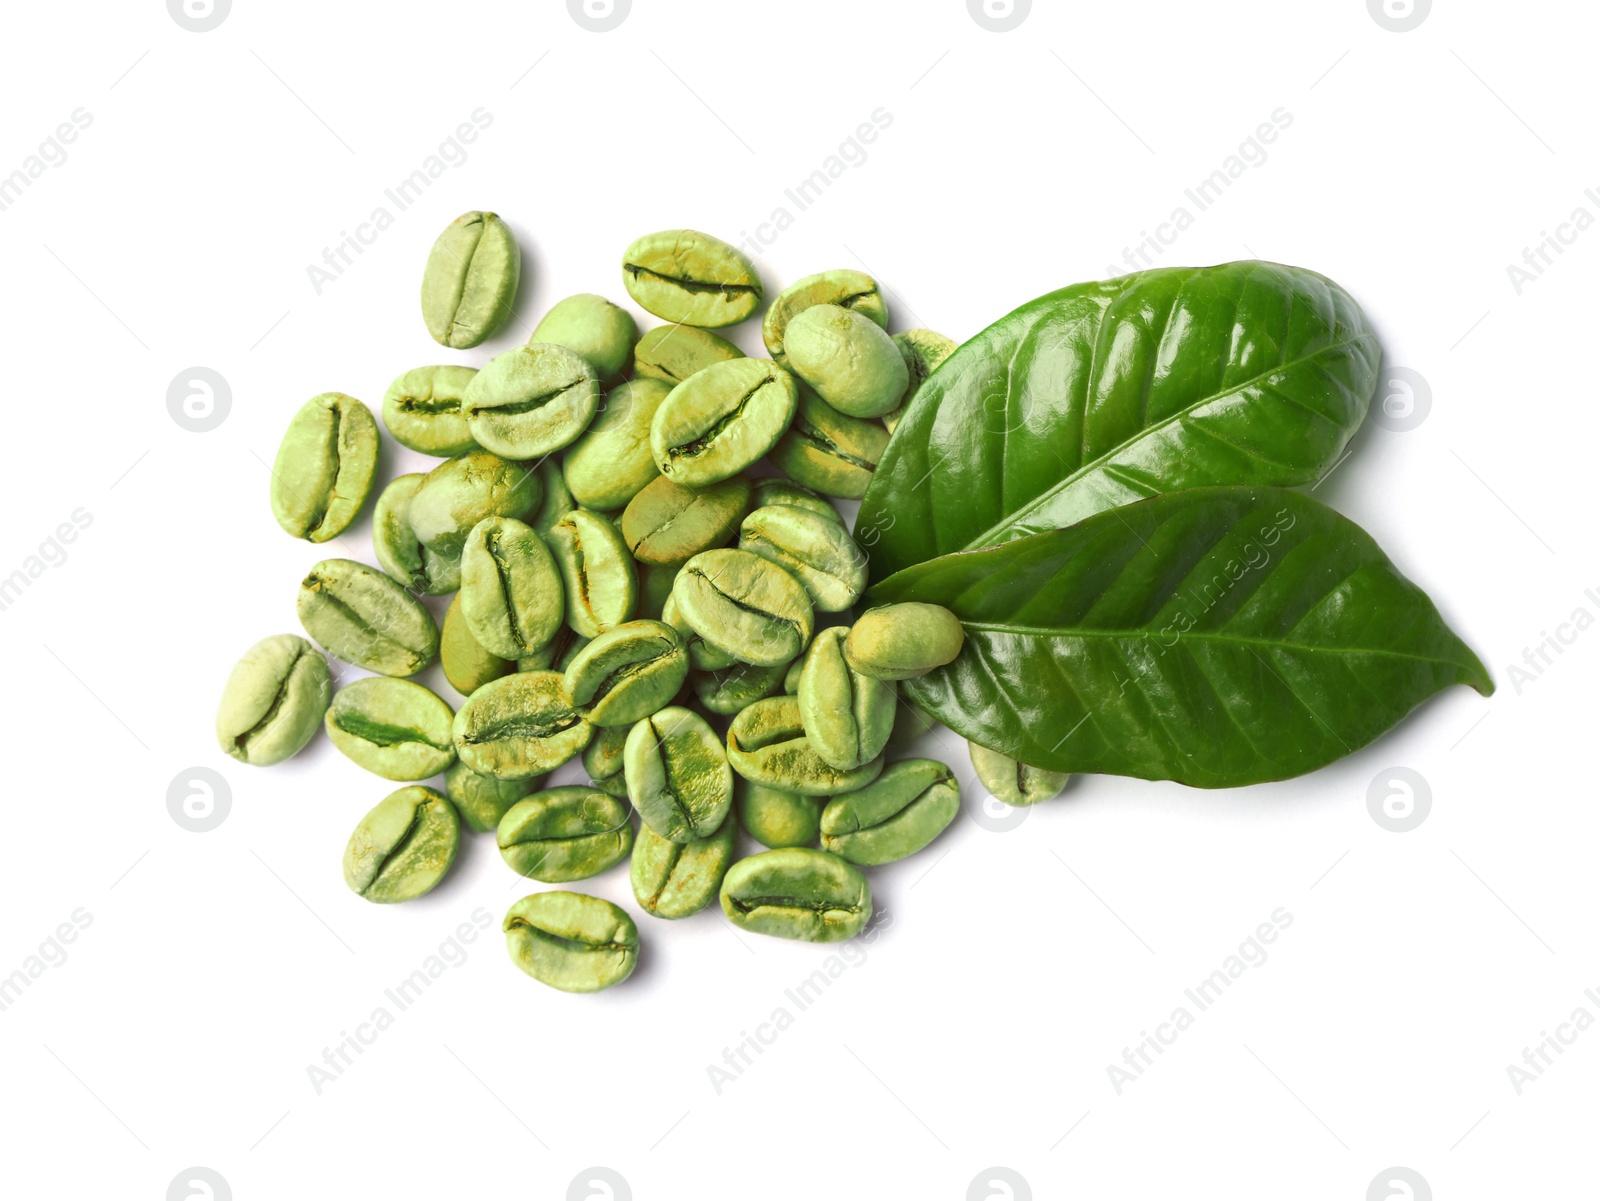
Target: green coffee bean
{"type": "Point", "coordinates": [849, 361]}
{"type": "Point", "coordinates": [593, 327]}
{"type": "Point", "coordinates": [1012, 781]}
{"type": "Point", "coordinates": [483, 800]}
{"type": "Point", "coordinates": [655, 586]}
{"type": "Point", "coordinates": [471, 280]}
{"type": "Point", "coordinates": [702, 655]}
{"type": "Point", "coordinates": [675, 352]}
{"type": "Point", "coordinates": [467, 666]}
{"type": "Point", "coordinates": [627, 673]}
{"type": "Point", "coordinates": [510, 588]}
{"type": "Point", "coordinates": [677, 773]}
{"type": "Point", "coordinates": [775, 818]}
{"type": "Point", "coordinates": [668, 523]}
{"type": "Point", "coordinates": [602, 589]}
{"type": "Point", "coordinates": [828, 451]}
{"type": "Point", "coordinates": [531, 400]}
{"type": "Point", "coordinates": [519, 726]}
{"type": "Point", "coordinates": [324, 467]}
{"type": "Point", "coordinates": [767, 744]}
{"type": "Point", "coordinates": [775, 490]}
{"type": "Point", "coordinates": [910, 724]}
{"type": "Point", "coordinates": [394, 544]}
{"type": "Point", "coordinates": [799, 893]}
{"type": "Point", "coordinates": [570, 941]}
{"type": "Point", "coordinates": [848, 289]}
{"type": "Point", "coordinates": [818, 551]}
{"type": "Point", "coordinates": [611, 462]}
{"type": "Point", "coordinates": [791, 678]}
{"type": "Point", "coordinates": [422, 409]}
{"type": "Point", "coordinates": [360, 615]}
{"type": "Point", "coordinates": [403, 847]}
{"type": "Point", "coordinates": [923, 350]}
{"type": "Point", "coordinates": [898, 814]}
{"type": "Point", "coordinates": [460, 492]}
{"type": "Point", "coordinates": [744, 605]}
{"type": "Point", "coordinates": [847, 716]}
{"type": "Point", "coordinates": [401, 555]}
{"type": "Point", "coordinates": [730, 690]}
{"type": "Point", "coordinates": [393, 728]}
{"type": "Point", "coordinates": [273, 701]}
{"type": "Point", "coordinates": [720, 421]}
{"type": "Point", "coordinates": [675, 879]}
{"type": "Point", "coordinates": [685, 276]}
{"type": "Point", "coordinates": [901, 642]}
{"type": "Point", "coordinates": [602, 759]}
{"type": "Point", "coordinates": [565, 834]}
{"type": "Point", "coordinates": [558, 500]}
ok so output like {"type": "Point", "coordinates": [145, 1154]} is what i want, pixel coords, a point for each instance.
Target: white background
{"type": "Point", "coordinates": [978, 1030]}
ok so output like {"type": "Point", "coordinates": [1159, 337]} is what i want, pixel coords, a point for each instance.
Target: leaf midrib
{"type": "Point", "coordinates": [1239, 640]}
{"type": "Point", "coordinates": [987, 538]}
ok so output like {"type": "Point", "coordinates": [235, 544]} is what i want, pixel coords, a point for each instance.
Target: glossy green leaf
{"type": "Point", "coordinates": [1107, 393]}
{"type": "Point", "coordinates": [1217, 636]}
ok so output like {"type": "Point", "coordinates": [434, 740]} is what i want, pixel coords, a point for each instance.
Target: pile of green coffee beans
{"type": "Point", "coordinates": [625, 590]}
